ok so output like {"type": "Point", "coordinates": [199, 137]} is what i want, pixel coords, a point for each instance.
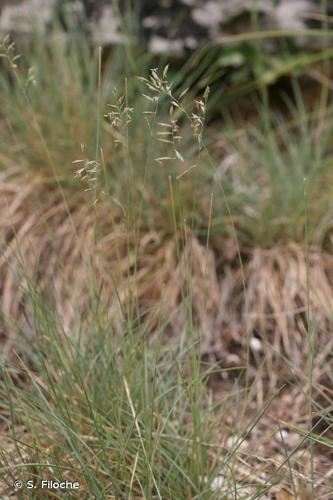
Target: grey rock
{"type": "Point", "coordinates": [168, 26]}
{"type": "Point", "coordinates": [25, 16]}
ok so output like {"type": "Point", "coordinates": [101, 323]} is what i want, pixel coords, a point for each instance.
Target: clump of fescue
{"type": "Point", "coordinates": [118, 426]}
{"type": "Point", "coordinates": [126, 414]}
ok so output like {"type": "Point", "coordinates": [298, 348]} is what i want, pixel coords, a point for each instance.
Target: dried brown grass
{"type": "Point", "coordinates": [71, 253]}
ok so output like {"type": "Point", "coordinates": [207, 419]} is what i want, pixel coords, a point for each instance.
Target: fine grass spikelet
{"type": "Point", "coordinates": [120, 114]}
{"type": "Point", "coordinates": [31, 78]}
{"type": "Point", "coordinates": [158, 84]}
{"type": "Point", "coordinates": [88, 173]}
{"type": "Point", "coordinates": [7, 52]}
{"type": "Point", "coordinates": [198, 118]}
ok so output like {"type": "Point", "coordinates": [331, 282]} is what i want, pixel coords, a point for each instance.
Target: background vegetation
{"type": "Point", "coordinates": [166, 271]}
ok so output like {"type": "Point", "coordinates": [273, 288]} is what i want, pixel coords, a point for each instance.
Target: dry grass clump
{"type": "Point", "coordinates": [282, 285]}
{"type": "Point", "coordinates": [273, 295]}
{"type": "Point", "coordinates": [45, 242]}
